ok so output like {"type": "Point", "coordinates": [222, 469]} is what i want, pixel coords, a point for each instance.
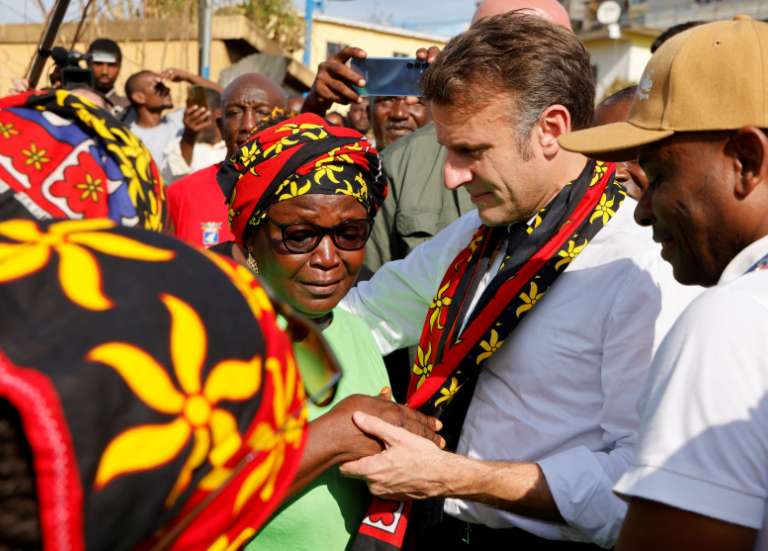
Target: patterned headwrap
{"type": "Point", "coordinates": [301, 155]}
{"type": "Point", "coordinates": [63, 157]}
{"type": "Point", "coordinates": [142, 403]}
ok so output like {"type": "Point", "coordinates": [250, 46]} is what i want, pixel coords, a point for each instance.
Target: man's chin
{"type": "Point", "coordinates": [493, 216]}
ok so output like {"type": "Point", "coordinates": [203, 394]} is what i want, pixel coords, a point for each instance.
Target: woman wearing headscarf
{"type": "Point", "coordinates": [62, 156]}
{"type": "Point", "coordinates": [134, 412]}
{"type": "Point", "coordinates": [302, 196]}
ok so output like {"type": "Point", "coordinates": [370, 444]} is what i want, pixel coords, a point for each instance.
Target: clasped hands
{"type": "Point", "coordinates": [396, 450]}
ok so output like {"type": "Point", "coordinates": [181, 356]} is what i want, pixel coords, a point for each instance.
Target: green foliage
{"type": "Point", "coordinates": [277, 19]}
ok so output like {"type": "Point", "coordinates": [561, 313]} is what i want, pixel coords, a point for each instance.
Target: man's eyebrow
{"type": "Point", "coordinates": [468, 146]}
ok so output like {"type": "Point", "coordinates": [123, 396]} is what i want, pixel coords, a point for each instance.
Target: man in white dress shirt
{"type": "Point", "coordinates": [548, 424]}
{"type": "Point", "coordinates": [699, 479]}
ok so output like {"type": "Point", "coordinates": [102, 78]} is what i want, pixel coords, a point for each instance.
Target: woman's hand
{"type": "Point", "coordinates": [352, 443]}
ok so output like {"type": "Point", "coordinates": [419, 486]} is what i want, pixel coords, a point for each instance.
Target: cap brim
{"type": "Point", "coordinates": [103, 57]}
{"type": "Point", "coordinates": [617, 141]}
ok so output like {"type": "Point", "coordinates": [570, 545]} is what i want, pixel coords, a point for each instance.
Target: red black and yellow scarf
{"type": "Point", "coordinates": [153, 387]}
{"type": "Point", "coordinates": [300, 155]}
{"type": "Point", "coordinates": [449, 358]}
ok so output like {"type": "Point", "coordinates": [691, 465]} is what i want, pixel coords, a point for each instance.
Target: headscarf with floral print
{"type": "Point", "coordinates": [63, 157]}
{"type": "Point", "coordinates": [142, 404]}
{"type": "Point", "coordinates": [298, 156]}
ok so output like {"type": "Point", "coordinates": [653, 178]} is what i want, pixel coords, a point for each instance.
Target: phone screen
{"type": "Point", "coordinates": [390, 76]}
{"type": "Point", "coordinates": [196, 96]}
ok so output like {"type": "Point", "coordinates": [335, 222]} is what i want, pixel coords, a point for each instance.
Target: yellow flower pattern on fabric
{"type": "Point", "coordinates": [568, 255]}
{"type": "Point", "coordinates": [274, 443]}
{"type": "Point", "coordinates": [91, 188]}
{"type": "Point", "coordinates": [132, 157]}
{"type": "Point", "coordinates": [605, 210]}
{"type": "Point", "coordinates": [423, 366]}
{"type": "Point", "coordinates": [599, 171]}
{"type": "Point", "coordinates": [243, 279]}
{"type": "Point", "coordinates": [223, 543]}
{"type": "Point", "coordinates": [447, 394]}
{"type": "Point", "coordinates": [8, 130]}
{"type": "Point", "coordinates": [193, 404]}
{"type": "Point", "coordinates": [537, 220]}
{"type": "Point", "coordinates": [491, 346]}
{"type": "Point", "coordinates": [293, 190]}
{"type": "Point", "coordinates": [438, 303]}
{"type": "Point", "coordinates": [35, 157]}
{"type": "Point", "coordinates": [529, 299]}
{"type": "Point", "coordinates": [250, 153]}
{"type": "Point", "coordinates": [304, 129]}
{"type": "Point", "coordinates": [79, 272]}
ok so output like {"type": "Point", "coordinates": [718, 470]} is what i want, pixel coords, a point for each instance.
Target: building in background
{"type": "Point", "coordinates": [619, 62]}
{"type": "Point", "coordinates": [331, 34]}
{"type": "Point", "coordinates": [157, 44]}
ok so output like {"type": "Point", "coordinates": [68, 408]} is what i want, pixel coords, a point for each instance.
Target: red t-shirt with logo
{"type": "Point", "coordinates": [198, 209]}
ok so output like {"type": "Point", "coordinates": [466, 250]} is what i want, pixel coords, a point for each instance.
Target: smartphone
{"type": "Point", "coordinates": [390, 76]}
{"type": "Point", "coordinates": [196, 96]}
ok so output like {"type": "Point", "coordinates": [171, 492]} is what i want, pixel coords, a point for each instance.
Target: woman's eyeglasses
{"type": "Point", "coordinates": [305, 237]}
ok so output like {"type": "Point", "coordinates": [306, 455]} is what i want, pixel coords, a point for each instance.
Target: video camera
{"type": "Point", "coordinates": [69, 70]}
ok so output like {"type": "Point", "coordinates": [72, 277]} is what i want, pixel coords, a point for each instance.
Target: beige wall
{"type": "Point", "coordinates": [377, 42]}
{"type": "Point", "coordinates": [152, 55]}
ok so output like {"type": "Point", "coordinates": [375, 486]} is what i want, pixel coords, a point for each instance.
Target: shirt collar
{"type": "Point", "coordinates": [744, 260]}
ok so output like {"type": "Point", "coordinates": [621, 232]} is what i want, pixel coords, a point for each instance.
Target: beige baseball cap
{"type": "Point", "coordinates": [710, 77]}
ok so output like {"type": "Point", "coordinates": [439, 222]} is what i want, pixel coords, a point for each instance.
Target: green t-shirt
{"type": "Point", "coordinates": [328, 512]}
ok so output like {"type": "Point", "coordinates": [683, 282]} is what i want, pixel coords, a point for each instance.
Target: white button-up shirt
{"type": "Point", "coordinates": [703, 443]}
{"type": "Point", "coordinates": [562, 391]}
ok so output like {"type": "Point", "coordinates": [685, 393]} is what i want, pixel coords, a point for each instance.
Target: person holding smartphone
{"type": "Point", "coordinates": [150, 100]}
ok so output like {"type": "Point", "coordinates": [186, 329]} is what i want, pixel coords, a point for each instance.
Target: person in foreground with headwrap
{"type": "Point", "coordinates": [138, 409]}
{"type": "Point", "coordinates": [61, 156]}
{"type": "Point", "coordinates": [303, 194]}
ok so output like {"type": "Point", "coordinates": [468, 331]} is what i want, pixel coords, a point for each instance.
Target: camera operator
{"type": "Point", "coordinates": [105, 61]}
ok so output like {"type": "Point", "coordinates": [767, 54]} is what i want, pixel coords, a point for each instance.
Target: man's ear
{"type": "Point", "coordinates": [749, 147]}
{"type": "Point", "coordinates": [553, 122]}
{"type": "Point", "coordinates": [138, 98]}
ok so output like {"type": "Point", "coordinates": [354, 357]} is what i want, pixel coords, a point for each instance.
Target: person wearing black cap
{"type": "Point", "coordinates": [105, 62]}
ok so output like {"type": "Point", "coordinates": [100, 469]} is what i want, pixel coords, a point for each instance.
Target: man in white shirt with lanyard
{"type": "Point", "coordinates": [538, 313]}
{"type": "Point", "coordinates": [699, 479]}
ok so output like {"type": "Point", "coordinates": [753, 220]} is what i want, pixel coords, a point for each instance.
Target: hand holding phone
{"type": "Point", "coordinates": [197, 96]}
{"type": "Point", "coordinates": [390, 76]}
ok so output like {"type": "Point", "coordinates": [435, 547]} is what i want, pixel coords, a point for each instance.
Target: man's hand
{"type": "Point", "coordinates": [196, 118]}
{"type": "Point", "coordinates": [334, 82]}
{"type": "Point", "coordinates": [180, 75]}
{"type": "Point", "coordinates": [19, 85]}
{"type": "Point", "coordinates": [411, 467]}
{"type": "Point", "coordinates": [177, 75]}
{"type": "Point", "coordinates": [335, 438]}
{"type": "Point", "coordinates": [352, 443]}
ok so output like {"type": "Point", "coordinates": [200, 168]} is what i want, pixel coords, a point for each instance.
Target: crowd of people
{"type": "Point", "coordinates": [493, 316]}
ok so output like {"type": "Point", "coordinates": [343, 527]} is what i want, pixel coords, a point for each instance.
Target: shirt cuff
{"type": "Point", "coordinates": [692, 494]}
{"type": "Point", "coordinates": [583, 494]}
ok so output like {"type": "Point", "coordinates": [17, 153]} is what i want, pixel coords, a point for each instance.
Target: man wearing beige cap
{"type": "Point", "coordinates": [699, 479]}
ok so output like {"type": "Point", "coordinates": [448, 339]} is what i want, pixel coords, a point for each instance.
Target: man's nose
{"type": "Point", "coordinates": [456, 172]}
{"type": "Point", "coordinates": [643, 210]}
{"type": "Point", "coordinates": [249, 120]}
{"type": "Point", "coordinates": [400, 109]}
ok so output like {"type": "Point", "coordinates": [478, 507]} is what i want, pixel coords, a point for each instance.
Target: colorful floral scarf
{"type": "Point", "coordinates": [153, 387]}
{"type": "Point", "coordinates": [449, 358]}
{"type": "Point", "coordinates": [298, 156]}
{"type": "Point", "coordinates": [63, 157]}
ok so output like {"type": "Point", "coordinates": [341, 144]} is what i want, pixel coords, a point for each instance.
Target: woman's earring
{"type": "Point", "coordinates": [252, 264]}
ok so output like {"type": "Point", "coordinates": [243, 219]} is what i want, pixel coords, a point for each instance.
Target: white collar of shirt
{"type": "Point", "coordinates": [744, 260]}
